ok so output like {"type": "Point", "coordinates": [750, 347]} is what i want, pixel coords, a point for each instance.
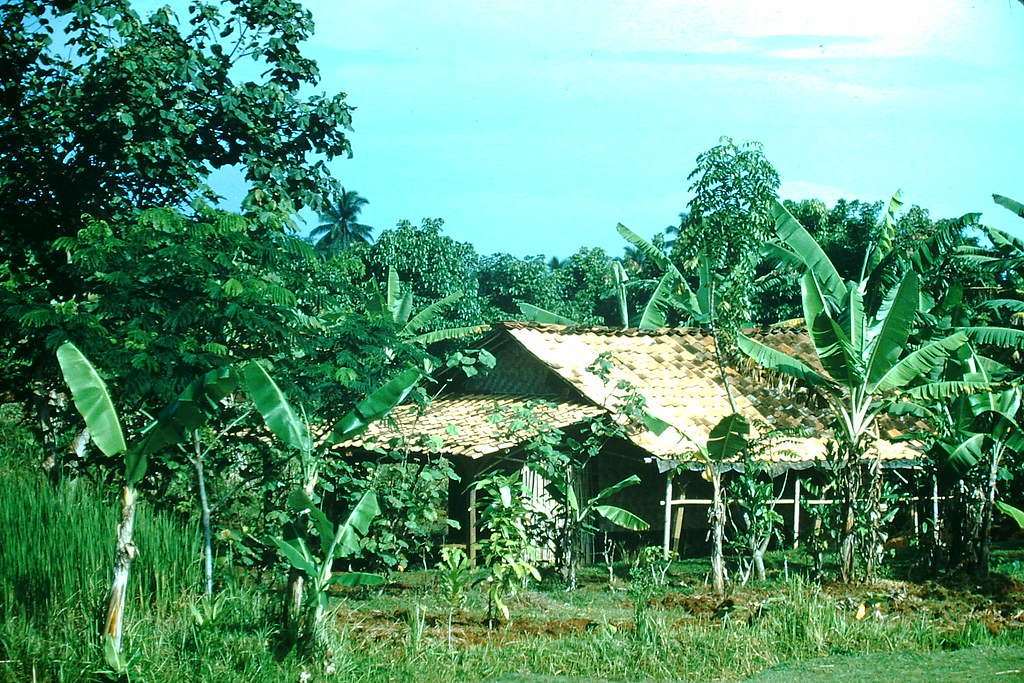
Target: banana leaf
{"type": "Point", "coordinates": [622, 518]}
{"type": "Point", "coordinates": [918, 364]}
{"type": "Point", "coordinates": [780, 362]}
{"type": "Point", "coordinates": [540, 315]}
{"type": "Point", "coordinates": [800, 242]}
{"type": "Point", "coordinates": [375, 406]}
{"type": "Point", "coordinates": [1009, 204]}
{"type": "Point", "coordinates": [728, 438]}
{"type": "Point", "coordinates": [92, 400]}
{"type": "Point", "coordinates": [430, 312]}
{"type": "Point", "coordinates": [996, 336]}
{"type": "Point", "coordinates": [277, 412]}
{"type": "Point", "coordinates": [653, 316]}
{"type": "Point", "coordinates": [356, 525]}
{"type": "Point", "coordinates": [891, 341]}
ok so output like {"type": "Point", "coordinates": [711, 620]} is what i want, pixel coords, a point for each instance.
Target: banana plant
{"type": "Point", "coordinates": [93, 401]}
{"type": "Point", "coordinates": [865, 353]}
{"type": "Point", "coordinates": [726, 440]}
{"type": "Point", "coordinates": [579, 513]}
{"type": "Point", "coordinates": [979, 431]}
{"type": "Point", "coordinates": [335, 542]}
{"type": "Point", "coordinates": [396, 304]}
{"type": "Point", "coordinates": [291, 427]}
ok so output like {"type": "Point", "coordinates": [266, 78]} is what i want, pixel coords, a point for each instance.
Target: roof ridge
{"type": "Point", "coordinates": [605, 330]}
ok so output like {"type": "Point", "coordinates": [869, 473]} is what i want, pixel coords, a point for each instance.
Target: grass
{"type": "Point", "coordinates": [55, 547]}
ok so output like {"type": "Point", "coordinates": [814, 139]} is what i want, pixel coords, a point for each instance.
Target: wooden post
{"type": "Point", "coordinates": [667, 535]}
{"type": "Point", "coordinates": [471, 540]}
{"type": "Point", "coordinates": [797, 492]}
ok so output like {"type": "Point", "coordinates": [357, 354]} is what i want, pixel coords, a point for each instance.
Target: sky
{"type": "Point", "coordinates": [536, 127]}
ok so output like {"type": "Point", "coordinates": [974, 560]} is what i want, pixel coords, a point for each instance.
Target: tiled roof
{"type": "Point", "coordinates": [466, 424]}
{"type": "Point", "coordinates": [676, 371]}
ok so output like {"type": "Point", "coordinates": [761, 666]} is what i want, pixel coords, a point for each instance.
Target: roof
{"type": "Point", "coordinates": [676, 370]}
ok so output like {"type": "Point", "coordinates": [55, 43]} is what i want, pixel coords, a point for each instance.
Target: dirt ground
{"type": "Point", "coordinates": [998, 602]}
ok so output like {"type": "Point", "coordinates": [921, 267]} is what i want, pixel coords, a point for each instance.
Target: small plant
{"type": "Point", "coordinates": [753, 495]}
{"type": "Point", "coordinates": [457, 576]}
{"type": "Point", "coordinates": [647, 584]}
{"type": "Point", "coordinates": [335, 542]}
{"type": "Point", "coordinates": [506, 551]}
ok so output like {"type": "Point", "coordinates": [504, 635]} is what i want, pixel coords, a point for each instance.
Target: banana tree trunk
{"type": "Point", "coordinates": [717, 533]}
{"type": "Point", "coordinates": [850, 490]}
{"type": "Point", "coordinates": [986, 515]}
{"type": "Point", "coordinates": [123, 556]}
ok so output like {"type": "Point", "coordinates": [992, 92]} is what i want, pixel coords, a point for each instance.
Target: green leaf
{"type": "Point", "coordinates": [299, 501]}
{"type": "Point", "coordinates": [807, 248]}
{"type": "Point", "coordinates": [297, 555]}
{"type": "Point", "coordinates": [428, 338]}
{"type": "Point", "coordinates": [895, 329]}
{"type": "Point", "coordinates": [883, 245]}
{"type": "Point", "coordinates": [835, 351]}
{"type": "Point", "coordinates": [1009, 204]}
{"type": "Point", "coordinates": [190, 410]}
{"type": "Point", "coordinates": [356, 525]}
{"type": "Point", "coordinates": [918, 364]}
{"type": "Point", "coordinates": [622, 518]}
{"type": "Point", "coordinates": [780, 362]}
{"type": "Point", "coordinates": [571, 499]}
{"type": "Point", "coordinates": [540, 315]}
{"type": "Point", "coordinates": [688, 300]}
{"type": "Point", "coordinates": [277, 412]}
{"type": "Point", "coordinates": [996, 336]}
{"type": "Point", "coordinates": [92, 400]}
{"type": "Point", "coordinates": [356, 579]}
{"type": "Point", "coordinates": [728, 437]}
{"type": "Point", "coordinates": [392, 293]}
{"type": "Point", "coordinates": [375, 406]}
{"type": "Point", "coordinates": [653, 316]}
{"type": "Point", "coordinates": [965, 455]}
{"type": "Point", "coordinates": [430, 312]}
{"type": "Point", "coordinates": [631, 480]}
{"type": "Point", "coordinates": [1016, 513]}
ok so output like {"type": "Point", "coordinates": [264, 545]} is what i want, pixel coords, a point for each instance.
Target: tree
{"type": "Point", "coordinates": [119, 112]}
{"type": "Point", "coordinates": [339, 228]}
{"type": "Point", "coordinates": [729, 221]}
{"type": "Point", "coordinates": [104, 113]}
{"type": "Point", "coordinates": [93, 401]}
{"type": "Point", "coordinates": [506, 281]}
{"type": "Point", "coordinates": [434, 265]}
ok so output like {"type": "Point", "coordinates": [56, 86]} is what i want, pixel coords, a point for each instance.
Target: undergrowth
{"type": "Point", "coordinates": [55, 548]}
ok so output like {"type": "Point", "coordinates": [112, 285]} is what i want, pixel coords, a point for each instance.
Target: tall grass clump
{"type": "Point", "coordinates": [56, 544]}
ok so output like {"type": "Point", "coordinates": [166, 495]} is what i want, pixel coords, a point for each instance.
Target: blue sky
{"type": "Point", "coordinates": [535, 127]}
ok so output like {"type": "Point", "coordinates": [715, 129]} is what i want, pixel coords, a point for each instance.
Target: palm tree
{"type": "Point", "coordinates": [339, 228]}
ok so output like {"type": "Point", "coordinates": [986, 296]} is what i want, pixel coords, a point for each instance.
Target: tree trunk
{"type": "Point", "coordinates": [986, 514]}
{"type": "Point", "coordinates": [850, 480]}
{"type": "Point", "coordinates": [717, 533]}
{"type": "Point", "coordinates": [757, 550]}
{"type": "Point", "coordinates": [204, 507]}
{"type": "Point", "coordinates": [123, 556]}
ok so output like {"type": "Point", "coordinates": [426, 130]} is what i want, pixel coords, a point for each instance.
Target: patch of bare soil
{"type": "Point", "coordinates": [997, 602]}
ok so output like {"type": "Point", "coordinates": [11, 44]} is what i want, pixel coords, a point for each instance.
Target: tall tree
{"type": "Point", "coordinates": [120, 111]}
{"type": "Point", "coordinates": [339, 228]}
{"type": "Point", "coordinates": [729, 220]}
{"type": "Point", "coordinates": [104, 113]}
